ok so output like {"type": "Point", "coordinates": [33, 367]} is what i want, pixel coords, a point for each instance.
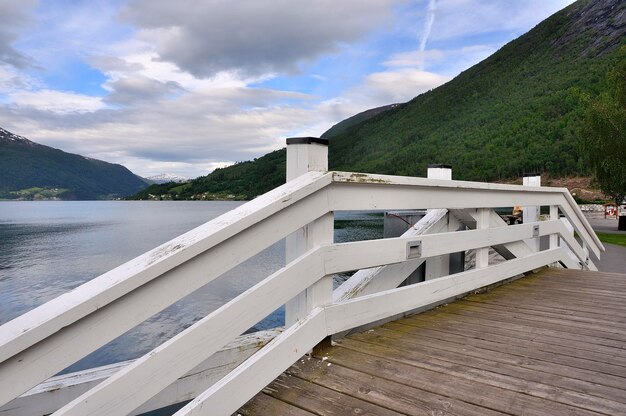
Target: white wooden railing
{"type": "Point", "coordinates": [40, 343]}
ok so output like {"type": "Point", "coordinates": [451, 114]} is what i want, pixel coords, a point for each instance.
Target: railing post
{"type": "Point", "coordinates": [305, 154]}
{"type": "Point", "coordinates": [483, 218]}
{"type": "Point", "coordinates": [440, 265]}
{"type": "Point", "coordinates": [531, 214]}
{"type": "Point", "coordinates": [554, 238]}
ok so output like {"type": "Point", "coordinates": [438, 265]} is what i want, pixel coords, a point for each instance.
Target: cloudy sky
{"type": "Point", "coordinates": [189, 85]}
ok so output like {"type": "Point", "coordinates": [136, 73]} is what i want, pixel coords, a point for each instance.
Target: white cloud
{"type": "Point", "coordinates": [179, 96]}
{"type": "Point", "coordinates": [252, 37]}
{"type": "Point", "coordinates": [13, 18]}
{"type": "Point", "coordinates": [399, 86]}
{"type": "Point", "coordinates": [57, 101]}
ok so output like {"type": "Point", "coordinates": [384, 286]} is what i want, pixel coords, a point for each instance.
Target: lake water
{"type": "Point", "coordinates": [48, 248]}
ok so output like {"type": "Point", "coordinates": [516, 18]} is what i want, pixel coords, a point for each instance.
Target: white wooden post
{"type": "Point", "coordinates": [483, 217]}
{"type": "Point", "coordinates": [305, 154]}
{"type": "Point", "coordinates": [531, 214]}
{"type": "Point", "coordinates": [438, 171]}
{"type": "Point", "coordinates": [554, 238]}
{"type": "Point", "coordinates": [440, 265]}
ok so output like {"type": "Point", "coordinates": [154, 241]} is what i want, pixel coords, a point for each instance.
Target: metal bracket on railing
{"type": "Point", "coordinates": [414, 249]}
{"type": "Point", "coordinates": [536, 230]}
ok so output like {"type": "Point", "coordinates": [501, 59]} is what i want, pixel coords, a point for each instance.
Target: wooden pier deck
{"type": "Point", "coordinates": [553, 343]}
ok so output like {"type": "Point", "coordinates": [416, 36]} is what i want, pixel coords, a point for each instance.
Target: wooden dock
{"type": "Point", "coordinates": [553, 343]}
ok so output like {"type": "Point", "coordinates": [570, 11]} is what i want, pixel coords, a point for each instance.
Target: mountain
{"type": "Point", "coordinates": [342, 126]}
{"type": "Point", "coordinates": [518, 110]}
{"type": "Point", "coordinates": [241, 181]}
{"type": "Point", "coordinates": [165, 178]}
{"type": "Point", "coordinates": [29, 170]}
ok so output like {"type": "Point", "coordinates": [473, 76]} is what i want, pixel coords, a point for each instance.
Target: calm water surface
{"type": "Point", "coordinates": [48, 248]}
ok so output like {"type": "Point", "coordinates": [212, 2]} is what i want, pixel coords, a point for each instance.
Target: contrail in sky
{"type": "Point", "coordinates": [428, 25]}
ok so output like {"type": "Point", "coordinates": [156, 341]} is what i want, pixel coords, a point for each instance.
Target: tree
{"type": "Point", "coordinates": [603, 139]}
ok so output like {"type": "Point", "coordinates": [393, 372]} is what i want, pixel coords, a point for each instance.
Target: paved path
{"type": "Point", "coordinates": [614, 258]}
{"type": "Point", "coordinates": [553, 343]}
{"type": "Point", "coordinates": [599, 224]}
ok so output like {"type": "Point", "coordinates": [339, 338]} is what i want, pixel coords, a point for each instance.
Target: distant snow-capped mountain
{"type": "Point", "coordinates": [29, 170]}
{"type": "Point", "coordinates": [8, 136]}
{"type": "Point", "coordinates": [166, 177]}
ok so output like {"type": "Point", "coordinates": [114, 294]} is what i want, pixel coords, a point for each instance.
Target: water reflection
{"type": "Point", "coordinates": [48, 248]}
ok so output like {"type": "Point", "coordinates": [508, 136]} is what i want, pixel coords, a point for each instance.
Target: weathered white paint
{"type": "Point", "coordinates": [494, 195]}
{"type": "Point", "coordinates": [554, 238]}
{"type": "Point", "coordinates": [135, 384]}
{"type": "Point", "coordinates": [482, 223]}
{"type": "Point", "coordinates": [531, 213]}
{"type": "Point", "coordinates": [438, 266]}
{"type": "Point", "coordinates": [372, 308]}
{"type": "Point", "coordinates": [439, 172]}
{"type": "Point", "coordinates": [82, 321]}
{"type": "Point", "coordinates": [304, 157]}
{"type": "Point", "coordinates": [230, 393]}
{"type": "Point", "coordinates": [511, 250]}
{"type": "Point", "coordinates": [373, 280]}
{"type": "Point", "coordinates": [39, 362]}
{"type": "Point", "coordinates": [60, 390]}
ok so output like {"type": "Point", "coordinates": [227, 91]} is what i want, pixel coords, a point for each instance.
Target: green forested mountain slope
{"type": "Point", "coordinates": [29, 170]}
{"type": "Point", "coordinates": [241, 181]}
{"type": "Point", "coordinates": [518, 110]}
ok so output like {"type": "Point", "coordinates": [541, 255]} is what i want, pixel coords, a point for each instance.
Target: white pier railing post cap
{"type": "Point", "coordinates": [531, 179]}
{"type": "Point", "coordinates": [306, 154]}
{"type": "Point", "coordinates": [439, 171]}
{"type": "Point", "coordinates": [307, 140]}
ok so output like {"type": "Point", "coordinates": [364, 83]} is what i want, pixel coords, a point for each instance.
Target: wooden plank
{"type": "Point", "coordinates": [320, 400]}
{"type": "Point", "coordinates": [505, 319]}
{"type": "Point", "coordinates": [135, 384]}
{"type": "Point", "coordinates": [347, 256]}
{"type": "Point", "coordinates": [366, 309]}
{"type": "Point", "coordinates": [587, 292]}
{"type": "Point", "coordinates": [42, 360]}
{"type": "Point", "coordinates": [604, 330]}
{"type": "Point", "coordinates": [240, 385]}
{"type": "Point", "coordinates": [574, 316]}
{"type": "Point", "coordinates": [377, 363]}
{"type": "Point", "coordinates": [548, 304]}
{"type": "Point", "coordinates": [519, 350]}
{"type": "Point", "coordinates": [445, 347]}
{"type": "Point", "coordinates": [552, 374]}
{"type": "Point", "coordinates": [60, 390]}
{"type": "Point", "coordinates": [443, 319]}
{"type": "Point", "coordinates": [367, 191]}
{"type": "Point", "coordinates": [552, 298]}
{"type": "Point", "coordinates": [314, 235]}
{"type": "Point", "coordinates": [263, 404]}
{"type": "Point", "coordinates": [45, 320]}
{"type": "Point", "coordinates": [614, 357]}
{"type": "Point", "coordinates": [368, 281]}
{"type": "Point", "coordinates": [543, 299]}
{"type": "Point", "coordinates": [584, 293]}
{"type": "Point", "coordinates": [582, 277]}
{"type": "Point", "coordinates": [508, 251]}
{"type": "Point", "coordinates": [494, 379]}
{"type": "Point", "coordinates": [386, 393]}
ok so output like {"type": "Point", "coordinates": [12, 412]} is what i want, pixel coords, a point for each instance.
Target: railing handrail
{"type": "Point", "coordinates": [321, 193]}
{"type": "Point", "coordinates": [22, 332]}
